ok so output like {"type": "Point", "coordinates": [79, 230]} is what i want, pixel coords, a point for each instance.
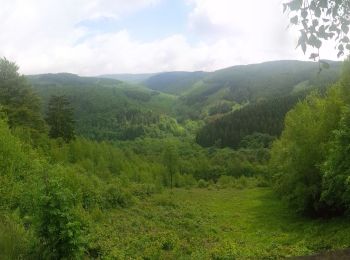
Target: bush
{"type": "Point", "coordinates": [15, 241]}
{"type": "Point", "coordinates": [59, 229]}
{"type": "Point", "coordinates": [184, 180]}
{"type": "Point", "coordinates": [242, 182]}
{"type": "Point", "coordinates": [144, 190]}
{"type": "Point", "coordinates": [203, 184]}
{"type": "Point", "coordinates": [115, 196]}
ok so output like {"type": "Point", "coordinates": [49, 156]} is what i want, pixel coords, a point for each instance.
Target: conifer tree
{"type": "Point", "coordinates": [60, 118]}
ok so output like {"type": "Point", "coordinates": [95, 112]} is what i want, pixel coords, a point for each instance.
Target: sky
{"type": "Point", "coordinates": [94, 37]}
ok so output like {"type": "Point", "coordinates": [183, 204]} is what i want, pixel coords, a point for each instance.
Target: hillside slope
{"type": "Point", "coordinates": [109, 109]}
{"type": "Point", "coordinates": [176, 82]}
{"type": "Point", "coordinates": [240, 84]}
{"type": "Point", "coordinates": [129, 78]}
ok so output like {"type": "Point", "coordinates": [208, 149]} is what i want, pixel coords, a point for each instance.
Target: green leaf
{"type": "Point", "coordinates": [340, 53]}
{"type": "Point", "coordinates": [345, 28]}
{"type": "Point", "coordinates": [318, 44]}
{"type": "Point", "coordinates": [303, 46]}
{"type": "Point", "coordinates": [345, 39]}
{"type": "Point", "coordinates": [323, 4]}
{"type": "Point", "coordinates": [322, 32]}
{"type": "Point", "coordinates": [304, 13]}
{"type": "Point", "coordinates": [333, 28]}
{"type": "Point", "coordinates": [313, 56]}
{"type": "Point", "coordinates": [295, 5]}
{"type": "Point", "coordinates": [318, 12]}
{"type": "Point", "coordinates": [294, 20]}
{"type": "Point", "coordinates": [314, 41]}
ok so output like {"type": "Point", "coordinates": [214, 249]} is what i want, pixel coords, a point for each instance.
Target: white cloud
{"type": "Point", "coordinates": [250, 30]}
{"type": "Point", "coordinates": [43, 36]}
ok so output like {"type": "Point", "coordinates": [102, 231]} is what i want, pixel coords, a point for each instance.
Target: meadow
{"type": "Point", "coordinates": [213, 223]}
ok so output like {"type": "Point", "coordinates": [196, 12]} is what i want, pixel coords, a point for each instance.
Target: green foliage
{"type": "Point", "coordinates": [220, 108]}
{"type": "Point", "coordinates": [115, 196]}
{"type": "Point", "coordinates": [336, 177]}
{"type": "Point", "coordinates": [59, 229]}
{"type": "Point", "coordinates": [60, 118]}
{"type": "Point", "coordinates": [106, 109]}
{"type": "Point", "coordinates": [251, 83]}
{"type": "Point", "coordinates": [307, 143]}
{"type": "Point", "coordinates": [297, 156]}
{"type": "Point", "coordinates": [173, 82]}
{"type": "Point", "coordinates": [17, 99]}
{"type": "Point", "coordinates": [170, 158]}
{"type": "Point", "coordinates": [319, 21]}
{"type": "Point", "coordinates": [247, 223]}
{"type": "Point", "coordinates": [203, 184]}
{"type": "Point", "coordinates": [242, 182]}
{"type": "Point", "coordinates": [15, 240]}
{"type": "Point", "coordinates": [256, 141]}
{"type": "Point", "coordinates": [264, 117]}
{"type": "Point", "coordinates": [109, 200]}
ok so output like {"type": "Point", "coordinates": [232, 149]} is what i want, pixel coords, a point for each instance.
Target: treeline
{"type": "Point", "coordinates": [266, 117]}
{"type": "Point", "coordinates": [310, 162]}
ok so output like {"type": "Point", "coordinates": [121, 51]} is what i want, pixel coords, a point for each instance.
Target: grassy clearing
{"type": "Point", "coordinates": [213, 224]}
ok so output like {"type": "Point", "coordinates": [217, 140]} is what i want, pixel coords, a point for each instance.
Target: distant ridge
{"type": "Point", "coordinates": [129, 78]}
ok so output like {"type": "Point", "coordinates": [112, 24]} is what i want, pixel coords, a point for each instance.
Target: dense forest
{"type": "Point", "coordinates": [265, 117]}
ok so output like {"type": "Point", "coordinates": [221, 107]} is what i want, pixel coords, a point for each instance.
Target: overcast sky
{"type": "Point", "coordinates": [92, 37]}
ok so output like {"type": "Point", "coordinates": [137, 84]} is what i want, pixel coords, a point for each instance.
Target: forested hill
{"type": "Point", "coordinates": [265, 117]}
{"type": "Point", "coordinates": [203, 93]}
{"type": "Point", "coordinates": [176, 82]}
{"type": "Point", "coordinates": [271, 90]}
{"type": "Point", "coordinates": [108, 109]}
{"type": "Point", "coordinates": [59, 79]}
{"type": "Point", "coordinates": [129, 78]}
{"type": "Point", "coordinates": [250, 83]}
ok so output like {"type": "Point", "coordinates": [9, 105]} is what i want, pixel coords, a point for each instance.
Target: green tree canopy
{"type": "Point", "coordinates": [17, 99]}
{"type": "Point", "coordinates": [60, 118]}
{"type": "Point", "coordinates": [171, 160]}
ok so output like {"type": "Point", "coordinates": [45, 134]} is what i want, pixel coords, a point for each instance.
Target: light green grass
{"type": "Point", "coordinates": [213, 224]}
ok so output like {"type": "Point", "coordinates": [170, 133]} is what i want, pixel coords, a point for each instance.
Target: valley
{"type": "Point", "coordinates": [136, 170]}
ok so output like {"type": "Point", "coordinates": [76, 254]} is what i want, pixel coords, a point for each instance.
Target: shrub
{"type": "Point", "coordinates": [203, 184]}
{"type": "Point", "coordinates": [59, 229]}
{"type": "Point", "coordinates": [143, 190]}
{"type": "Point", "coordinates": [15, 241]}
{"type": "Point", "coordinates": [115, 196]}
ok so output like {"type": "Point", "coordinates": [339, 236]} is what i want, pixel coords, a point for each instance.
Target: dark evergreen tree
{"type": "Point", "coordinates": [60, 118]}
